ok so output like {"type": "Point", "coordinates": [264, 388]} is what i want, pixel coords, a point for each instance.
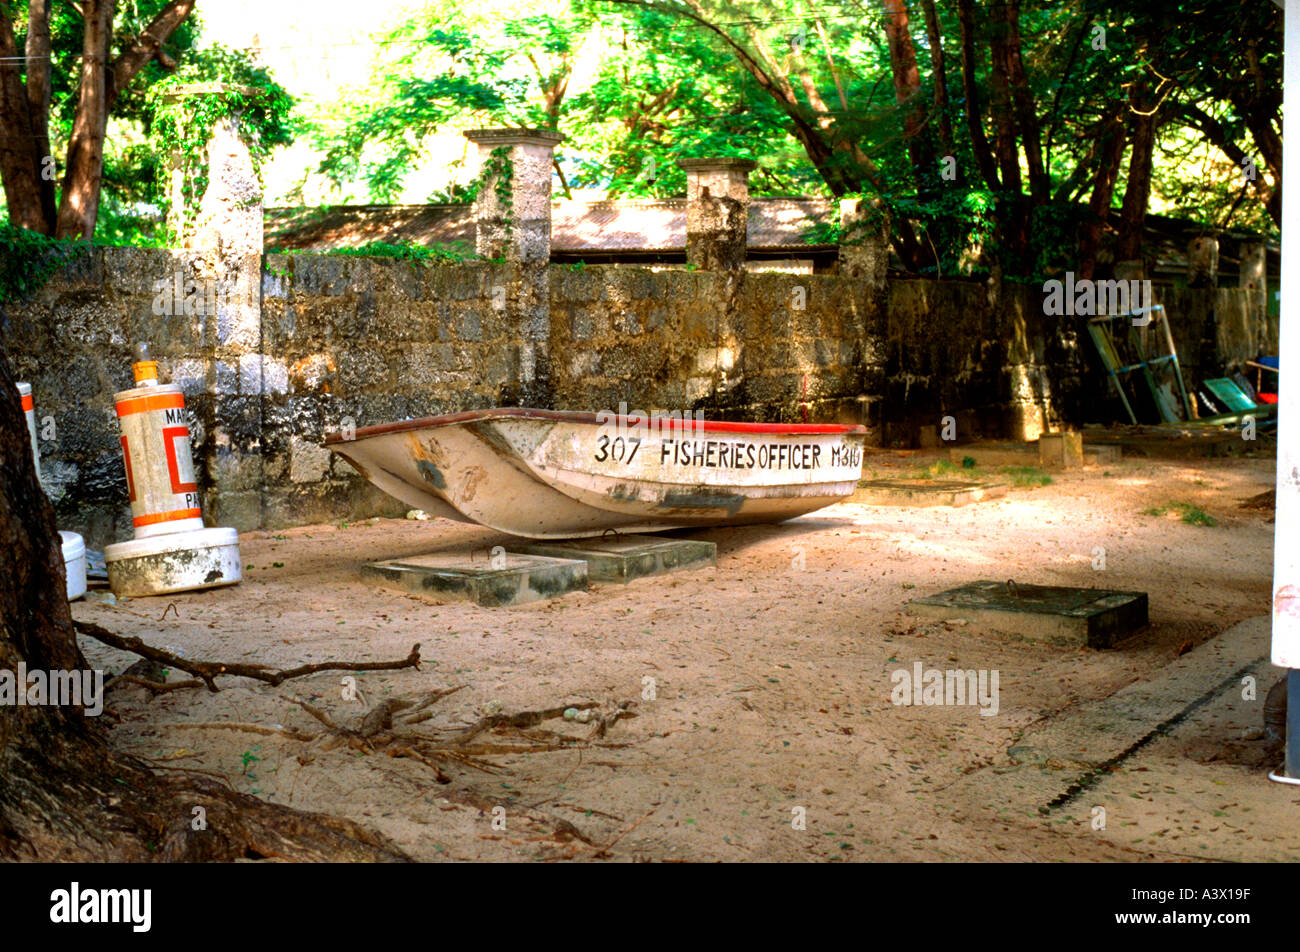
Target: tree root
{"type": "Point", "coordinates": [385, 728]}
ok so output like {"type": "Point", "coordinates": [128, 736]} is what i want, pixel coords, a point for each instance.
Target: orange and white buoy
{"type": "Point", "coordinates": [74, 546]}
{"type": "Point", "coordinates": [171, 551]}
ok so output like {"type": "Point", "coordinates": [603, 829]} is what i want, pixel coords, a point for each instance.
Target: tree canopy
{"type": "Point", "coordinates": [1039, 119]}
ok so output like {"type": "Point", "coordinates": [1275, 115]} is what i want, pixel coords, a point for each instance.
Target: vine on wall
{"type": "Point", "coordinates": [501, 171]}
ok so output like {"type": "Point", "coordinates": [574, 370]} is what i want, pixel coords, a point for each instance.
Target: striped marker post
{"type": "Point", "coordinates": [29, 411]}
{"type": "Point", "coordinates": [160, 481]}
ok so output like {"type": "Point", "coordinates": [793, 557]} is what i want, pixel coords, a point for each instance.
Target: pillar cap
{"type": "Point", "coordinates": [176, 93]}
{"type": "Point", "coordinates": [718, 163]}
{"type": "Point", "coordinates": [516, 136]}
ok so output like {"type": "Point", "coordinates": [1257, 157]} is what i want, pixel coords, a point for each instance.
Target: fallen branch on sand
{"type": "Point", "coordinates": [208, 671]}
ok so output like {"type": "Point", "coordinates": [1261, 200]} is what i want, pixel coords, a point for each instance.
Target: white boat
{"type": "Point", "coordinates": [547, 474]}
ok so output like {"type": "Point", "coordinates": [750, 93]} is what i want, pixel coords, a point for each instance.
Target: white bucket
{"type": "Point", "coordinates": [74, 563]}
{"type": "Point", "coordinates": [176, 562]}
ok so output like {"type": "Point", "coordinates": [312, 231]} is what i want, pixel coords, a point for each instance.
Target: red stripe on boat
{"type": "Point", "coordinates": [573, 416]}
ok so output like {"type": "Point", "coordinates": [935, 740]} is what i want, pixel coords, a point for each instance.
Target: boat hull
{"type": "Point", "coordinates": [552, 474]}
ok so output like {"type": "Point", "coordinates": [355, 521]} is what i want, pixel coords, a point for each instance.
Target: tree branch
{"type": "Point", "coordinates": [209, 670]}
{"type": "Point", "coordinates": [146, 46]}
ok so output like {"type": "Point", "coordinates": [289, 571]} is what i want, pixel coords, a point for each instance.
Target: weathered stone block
{"type": "Point", "coordinates": [261, 374]}
{"type": "Point", "coordinates": [308, 462]}
{"type": "Point", "coordinates": [361, 371]}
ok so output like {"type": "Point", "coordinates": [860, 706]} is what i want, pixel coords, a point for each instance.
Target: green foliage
{"type": "Point", "coordinates": [666, 90]}
{"type": "Point", "coordinates": [407, 252]}
{"type": "Point", "coordinates": [28, 259]}
{"type": "Point", "coordinates": [462, 66]}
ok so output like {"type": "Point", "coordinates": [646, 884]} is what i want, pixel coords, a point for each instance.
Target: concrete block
{"type": "Point", "coordinates": [624, 558]}
{"type": "Point", "coordinates": [928, 437]}
{"type": "Point", "coordinates": [1071, 616]}
{"type": "Point", "coordinates": [1061, 450]}
{"type": "Point", "coordinates": [491, 582]}
{"type": "Point", "coordinates": [925, 492]}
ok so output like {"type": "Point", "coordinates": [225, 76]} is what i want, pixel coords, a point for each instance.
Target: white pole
{"type": "Point", "coordinates": [1286, 536]}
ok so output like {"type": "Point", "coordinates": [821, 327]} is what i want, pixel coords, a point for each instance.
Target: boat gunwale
{"type": "Point", "coordinates": [598, 419]}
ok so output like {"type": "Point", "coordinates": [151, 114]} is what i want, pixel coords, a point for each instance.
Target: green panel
{"type": "Point", "coordinates": [1229, 394]}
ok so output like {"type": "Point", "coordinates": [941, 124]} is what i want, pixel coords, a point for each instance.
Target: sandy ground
{"type": "Point", "coordinates": [771, 679]}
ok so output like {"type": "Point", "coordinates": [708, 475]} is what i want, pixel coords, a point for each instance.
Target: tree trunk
{"type": "Point", "coordinates": [1023, 103]}
{"type": "Point", "coordinates": [21, 149]}
{"type": "Point", "coordinates": [65, 795]}
{"type": "Point", "coordinates": [1004, 120]}
{"type": "Point", "coordinates": [26, 163]}
{"type": "Point", "coordinates": [940, 80]}
{"type": "Point", "coordinates": [1133, 212]}
{"type": "Point", "coordinates": [39, 49]}
{"type": "Point", "coordinates": [147, 46]}
{"type": "Point", "coordinates": [907, 93]}
{"type": "Point", "coordinates": [970, 91]}
{"type": "Point", "coordinates": [85, 162]}
{"type": "Point", "coordinates": [1112, 144]}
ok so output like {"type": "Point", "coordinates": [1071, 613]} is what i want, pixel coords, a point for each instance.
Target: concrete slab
{"type": "Point", "coordinates": [1073, 616]}
{"type": "Point", "coordinates": [508, 579]}
{"type": "Point", "coordinates": [1033, 454]}
{"type": "Point", "coordinates": [626, 557]}
{"type": "Point", "coordinates": [925, 492]}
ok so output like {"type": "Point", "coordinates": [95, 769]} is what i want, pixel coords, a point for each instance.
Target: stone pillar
{"type": "Point", "coordinates": [223, 245]}
{"type": "Point", "coordinates": [717, 212]}
{"type": "Point", "coordinates": [514, 221]}
{"type": "Point", "coordinates": [864, 240]}
{"type": "Point", "coordinates": [230, 214]}
{"type": "Point", "coordinates": [1203, 262]}
{"type": "Point", "coordinates": [228, 207]}
{"type": "Point", "coordinates": [512, 218]}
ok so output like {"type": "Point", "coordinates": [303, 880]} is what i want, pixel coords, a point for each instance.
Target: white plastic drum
{"type": "Point", "coordinates": [74, 563]}
{"type": "Point", "coordinates": [159, 467]}
{"type": "Point", "coordinates": [29, 410]}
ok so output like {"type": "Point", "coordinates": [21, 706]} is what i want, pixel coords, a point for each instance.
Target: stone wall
{"type": "Point", "coordinates": [759, 346]}
{"type": "Point", "coordinates": [313, 343]}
